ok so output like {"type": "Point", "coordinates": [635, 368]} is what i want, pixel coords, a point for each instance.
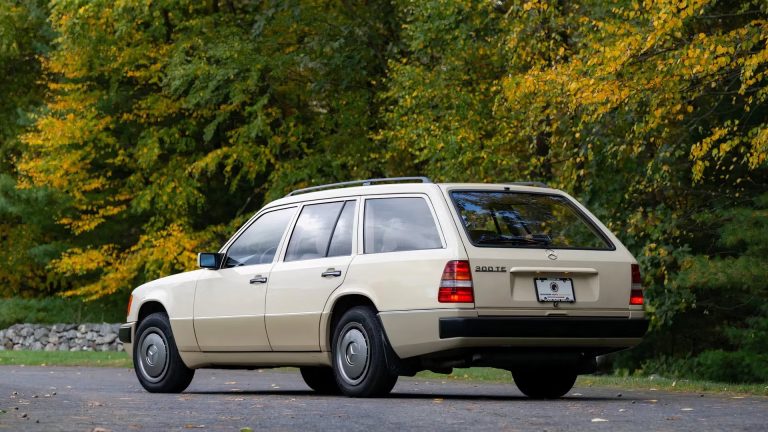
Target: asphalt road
{"type": "Point", "coordinates": [88, 399]}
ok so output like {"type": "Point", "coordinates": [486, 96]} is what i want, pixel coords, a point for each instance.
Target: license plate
{"type": "Point", "coordinates": [554, 289]}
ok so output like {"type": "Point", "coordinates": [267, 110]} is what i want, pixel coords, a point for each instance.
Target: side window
{"type": "Point", "coordinates": [341, 242]}
{"type": "Point", "coordinates": [258, 244]}
{"type": "Point", "coordinates": [399, 224]}
{"type": "Point", "coordinates": [313, 230]}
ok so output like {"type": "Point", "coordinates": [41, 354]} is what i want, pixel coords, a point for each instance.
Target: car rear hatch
{"type": "Point", "coordinates": [537, 252]}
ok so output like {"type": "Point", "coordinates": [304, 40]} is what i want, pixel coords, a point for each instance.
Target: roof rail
{"type": "Point", "coordinates": [366, 182]}
{"type": "Point", "coordinates": [528, 183]}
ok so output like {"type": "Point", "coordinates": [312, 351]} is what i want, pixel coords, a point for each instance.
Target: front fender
{"type": "Point", "coordinates": [176, 294]}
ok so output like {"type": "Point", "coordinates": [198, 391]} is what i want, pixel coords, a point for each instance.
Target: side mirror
{"type": "Point", "coordinates": [209, 260]}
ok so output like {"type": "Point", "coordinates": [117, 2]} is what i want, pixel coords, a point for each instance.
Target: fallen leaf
{"type": "Point", "coordinates": [193, 426]}
{"type": "Point", "coordinates": [599, 420]}
{"type": "Point", "coordinates": [686, 409]}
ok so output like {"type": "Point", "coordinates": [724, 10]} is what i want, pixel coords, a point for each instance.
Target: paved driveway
{"type": "Point", "coordinates": [87, 399]}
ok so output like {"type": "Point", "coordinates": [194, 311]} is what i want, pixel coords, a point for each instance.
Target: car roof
{"type": "Point", "coordinates": [404, 188]}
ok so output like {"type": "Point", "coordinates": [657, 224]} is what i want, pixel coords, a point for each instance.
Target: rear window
{"type": "Point", "coordinates": [515, 219]}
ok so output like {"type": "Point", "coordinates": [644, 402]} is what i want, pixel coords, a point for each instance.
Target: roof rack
{"type": "Point", "coordinates": [528, 183]}
{"type": "Point", "coordinates": [366, 182]}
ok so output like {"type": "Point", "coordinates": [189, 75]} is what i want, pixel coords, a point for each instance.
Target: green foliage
{"type": "Point", "coordinates": [135, 134]}
{"type": "Point", "coordinates": [25, 244]}
{"type": "Point", "coordinates": [725, 366]}
{"type": "Point", "coordinates": [30, 240]}
{"type": "Point", "coordinates": [721, 331]}
{"type": "Point", "coordinates": [165, 117]}
{"type": "Point", "coordinates": [53, 310]}
{"type": "Point", "coordinates": [24, 36]}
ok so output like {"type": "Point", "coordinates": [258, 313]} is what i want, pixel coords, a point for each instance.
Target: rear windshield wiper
{"type": "Point", "coordinates": [534, 240]}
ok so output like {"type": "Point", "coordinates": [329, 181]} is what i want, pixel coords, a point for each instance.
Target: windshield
{"type": "Point", "coordinates": [518, 219]}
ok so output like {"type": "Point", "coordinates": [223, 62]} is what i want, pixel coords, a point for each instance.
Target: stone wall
{"type": "Point", "coordinates": [61, 337]}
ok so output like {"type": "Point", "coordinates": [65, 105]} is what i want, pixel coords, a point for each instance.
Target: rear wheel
{"type": "Point", "coordinates": [544, 384]}
{"type": "Point", "coordinates": [320, 379]}
{"type": "Point", "coordinates": [155, 358]}
{"type": "Point", "coordinates": [360, 353]}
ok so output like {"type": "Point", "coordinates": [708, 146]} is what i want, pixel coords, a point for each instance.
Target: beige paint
{"type": "Point", "coordinates": [295, 301]}
{"type": "Point", "coordinates": [297, 294]}
{"type": "Point", "coordinates": [235, 321]}
{"type": "Point", "coordinates": [416, 333]}
{"type": "Point", "coordinates": [176, 294]}
{"type": "Point", "coordinates": [254, 359]}
{"type": "Point", "coordinates": [229, 310]}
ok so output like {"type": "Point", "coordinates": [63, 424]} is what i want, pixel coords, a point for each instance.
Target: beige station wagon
{"type": "Point", "coordinates": [358, 283]}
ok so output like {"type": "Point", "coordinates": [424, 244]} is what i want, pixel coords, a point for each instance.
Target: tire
{"type": "Point", "coordinates": [541, 384]}
{"type": "Point", "coordinates": [360, 352]}
{"type": "Point", "coordinates": [156, 359]}
{"type": "Point", "coordinates": [321, 380]}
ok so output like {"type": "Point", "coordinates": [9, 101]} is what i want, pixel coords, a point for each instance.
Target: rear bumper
{"type": "Point", "coordinates": [550, 327]}
{"type": "Point", "coordinates": [428, 331]}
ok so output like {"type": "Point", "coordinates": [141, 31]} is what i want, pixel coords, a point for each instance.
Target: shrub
{"type": "Point", "coordinates": [53, 310]}
{"type": "Point", "coordinates": [732, 367]}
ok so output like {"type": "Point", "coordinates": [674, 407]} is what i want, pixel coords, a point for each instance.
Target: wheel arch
{"type": "Point", "coordinates": [149, 307]}
{"type": "Point", "coordinates": [340, 305]}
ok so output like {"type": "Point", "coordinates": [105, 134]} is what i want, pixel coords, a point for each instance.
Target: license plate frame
{"type": "Point", "coordinates": [554, 290]}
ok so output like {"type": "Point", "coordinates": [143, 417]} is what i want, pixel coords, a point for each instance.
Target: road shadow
{"type": "Point", "coordinates": [412, 396]}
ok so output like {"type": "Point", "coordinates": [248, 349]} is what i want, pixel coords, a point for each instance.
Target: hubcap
{"type": "Point", "coordinates": [153, 355]}
{"type": "Point", "coordinates": [352, 353]}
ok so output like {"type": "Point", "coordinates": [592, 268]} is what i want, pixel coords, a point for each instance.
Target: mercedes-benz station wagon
{"type": "Point", "coordinates": [358, 283]}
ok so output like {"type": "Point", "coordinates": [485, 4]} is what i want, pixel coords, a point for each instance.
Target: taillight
{"type": "Point", "coordinates": [456, 283]}
{"type": "Point", "coordinates": [636, 295]}
{"type": "Point", "coordinates": [128, 311]}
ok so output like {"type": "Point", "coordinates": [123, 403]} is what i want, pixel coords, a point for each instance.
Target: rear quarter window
{"type": "Point", "coordinates": [518, 219]}
{"type": "Point", "coordinates": [399, 224]}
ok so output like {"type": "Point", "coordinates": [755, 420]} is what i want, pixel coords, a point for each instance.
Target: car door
{"type": "Point", "coordinates": [315, 264]}
{"type": "Point", "coordinates": [229, 302]}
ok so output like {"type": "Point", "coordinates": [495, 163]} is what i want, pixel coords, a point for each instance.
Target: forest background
{"type": "Point", "coordinates": [136, 133]}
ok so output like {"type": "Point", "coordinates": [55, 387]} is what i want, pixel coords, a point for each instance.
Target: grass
{"type": "Point", "coordinates": [670, 384]}
{"type": "Point", "coordinates": [620, 382]}
{"type": "Point", "coordinates": [122, 360]}
{"type": "Point", "coordinates": [66, 358]}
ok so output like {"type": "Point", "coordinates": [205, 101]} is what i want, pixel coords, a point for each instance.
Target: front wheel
{"type": "Point", "coordinates": [542, 384]}
{"type": "Point", "coordinates": [155, 358]}
{"type": "Point", "coordinates": [360, 353]}
{"type": "Point", "coordinates": [320, 379]}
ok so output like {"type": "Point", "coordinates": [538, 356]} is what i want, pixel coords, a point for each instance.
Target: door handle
{"type": "Point", "coordinates": [331, 273]}
{"type": "Point", "coordinates": [258, 280]}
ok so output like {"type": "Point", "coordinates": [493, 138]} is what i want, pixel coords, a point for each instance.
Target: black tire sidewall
{"type": "Point", "coordinates": [379, 379]}
{"type": "Point", "coordinates": [320, 379]}
{"type": "Point", "coordinates": [178, 376]}
{"type": "Point", "coordinates": [538, 384]}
